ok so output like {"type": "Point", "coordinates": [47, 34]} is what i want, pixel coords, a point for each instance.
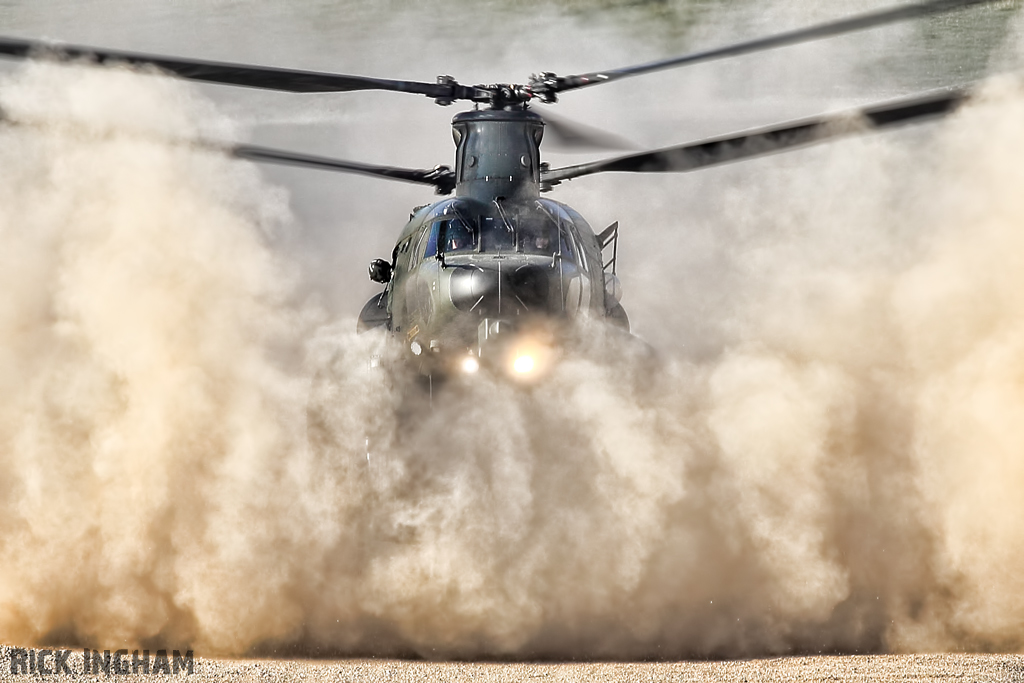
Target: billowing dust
{"type": "Point", "coordinates": [191, 455]}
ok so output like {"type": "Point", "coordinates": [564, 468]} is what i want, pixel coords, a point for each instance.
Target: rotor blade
{"type": "Point", "coordinates": [696, 155]}
{"type": "Point", "coordinates": [441, 177]}
{"type": "Point", "coordinates": [270, 78]}
{"type": "Point", "coordinates": [558, 84]}
{"type": "Point", "coordinates": [571, 136]}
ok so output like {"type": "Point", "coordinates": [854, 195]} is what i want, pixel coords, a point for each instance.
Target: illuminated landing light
{"type": "Point", "coordinates": [523, 364]}
{"type": "Point", "coordinates": [470, 365]}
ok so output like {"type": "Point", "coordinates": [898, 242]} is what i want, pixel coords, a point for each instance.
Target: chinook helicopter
{"type": "Point", "coordinates": [495, 273]}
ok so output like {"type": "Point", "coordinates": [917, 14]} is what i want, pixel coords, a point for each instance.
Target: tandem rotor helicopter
{"type": "Point", "coordinates": [487, 276]}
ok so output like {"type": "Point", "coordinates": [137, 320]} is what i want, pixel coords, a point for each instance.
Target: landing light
{"type": "Point", "coordinates": [523, 364]}
{"type": "Point", "coordinates": [470, 365]}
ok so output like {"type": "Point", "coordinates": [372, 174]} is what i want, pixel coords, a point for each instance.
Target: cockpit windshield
{"type": "Point", "coordinates": [537, 236]}
{"type": "Point", "coordinates": [458, 236]}
{"type": "Point", "coordinates": [464, 228]}
{"type": "Point", "coordinates": [495, 235]}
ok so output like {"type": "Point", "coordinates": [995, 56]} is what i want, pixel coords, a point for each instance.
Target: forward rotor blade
{"type": "Point", "coordinates": [560, 84]}
{"type": "Point", "coordinates": [269, 78]}
{"type": "Point", "coordinates": [441, 177]}
{"type": "Point", "coordinates": [697, 155]}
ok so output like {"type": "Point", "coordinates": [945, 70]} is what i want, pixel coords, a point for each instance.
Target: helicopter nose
{"type": "Point", "coordinates": [470, 285]}
{"type": "Point", "coordinates": [530, 284]}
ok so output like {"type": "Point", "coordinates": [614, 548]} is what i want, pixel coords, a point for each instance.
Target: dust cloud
{"type": "Point", "coordinates": [194, 455]}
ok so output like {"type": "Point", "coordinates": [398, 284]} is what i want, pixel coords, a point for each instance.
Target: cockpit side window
{"type": "Point", "coordinates": [400, 257]}
{"type": "Point", "coordinates": [573, 237]}
{"type": "Point", "coordinates": [568, 249]}
{"type": "Point", "coordinates": [578, 227]}
{"type": "Point", "coordinates": [430, 240]}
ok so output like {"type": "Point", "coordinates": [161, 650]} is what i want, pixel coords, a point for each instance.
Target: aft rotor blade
{"type": "Point", "coordinates": [441, 177]}
{"type": "Point", "coordinates": [270, 78]}
{"type": "Point", "coordinates": [571, 136]}
{"type": "Point", "coordinates": [857, 23]}
{"type": "Point", "coordinates": [697, 155]}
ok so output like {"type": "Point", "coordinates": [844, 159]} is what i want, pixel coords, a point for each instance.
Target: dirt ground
{"type": "Point", "coordinates": [935, 667]}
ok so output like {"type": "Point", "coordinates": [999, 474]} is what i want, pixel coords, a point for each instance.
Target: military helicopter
{"type": "Point", "coordinates": [496, 273]}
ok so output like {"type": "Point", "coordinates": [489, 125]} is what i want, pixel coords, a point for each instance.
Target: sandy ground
{"type": "Point", "coordinates": [937, 667]}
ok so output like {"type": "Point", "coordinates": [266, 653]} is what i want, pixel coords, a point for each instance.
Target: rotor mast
{"type": "Point", "coordinates": [497, 154]}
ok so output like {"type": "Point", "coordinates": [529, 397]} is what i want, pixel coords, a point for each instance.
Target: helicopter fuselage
{"type": "Point", "coordinates": [497, 266]}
